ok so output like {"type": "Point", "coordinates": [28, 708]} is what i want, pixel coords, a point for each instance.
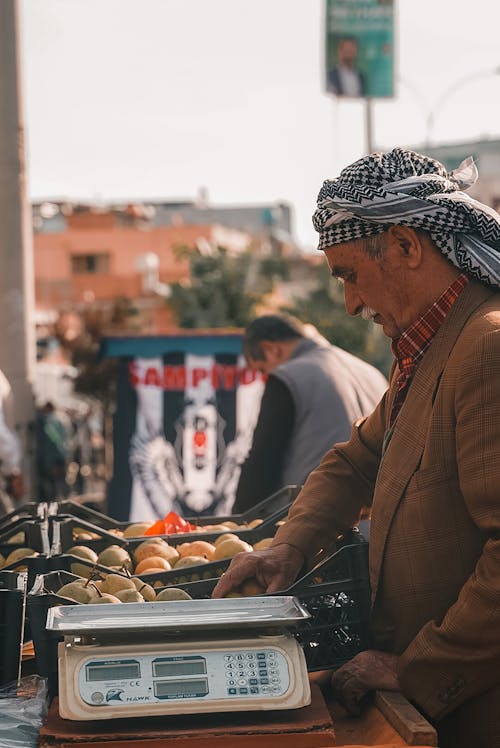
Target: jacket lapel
{"type": "Point", "coordinates": [406, 446]}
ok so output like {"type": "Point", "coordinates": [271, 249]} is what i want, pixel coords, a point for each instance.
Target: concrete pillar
{"type": "Point", "coordinates": [17, 324]}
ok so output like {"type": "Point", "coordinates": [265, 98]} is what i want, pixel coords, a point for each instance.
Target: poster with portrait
{"type": "Point", "coordinates": [359, 50]}
{"type": "Point", "coordinates": [185, 413]}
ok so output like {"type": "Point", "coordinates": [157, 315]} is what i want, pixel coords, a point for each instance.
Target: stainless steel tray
{"type": "Point", "coordinates": [182, 615]}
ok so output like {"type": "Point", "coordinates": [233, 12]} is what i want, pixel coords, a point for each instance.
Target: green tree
{"type": "Point", "coordinates": [223, 289]}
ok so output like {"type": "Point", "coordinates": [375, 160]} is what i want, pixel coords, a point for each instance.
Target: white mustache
{"type": "Point", "coordinates": [367, 313]}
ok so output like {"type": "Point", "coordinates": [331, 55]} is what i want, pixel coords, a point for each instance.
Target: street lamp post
{"type": "Point", "coordinates": [455, 86]}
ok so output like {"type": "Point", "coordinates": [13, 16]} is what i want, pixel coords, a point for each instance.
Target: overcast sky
{"type": "Point", "coordinates": [158, 98]}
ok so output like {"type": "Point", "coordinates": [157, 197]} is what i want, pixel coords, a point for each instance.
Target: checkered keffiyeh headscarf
{"type": "Point", "coordinates": [407, 189]}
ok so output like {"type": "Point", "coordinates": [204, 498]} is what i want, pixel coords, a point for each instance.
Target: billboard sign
{"type": "Point", "coordinates": [185, 413]}
{"type": "Point", "coordinates": [359, 55]}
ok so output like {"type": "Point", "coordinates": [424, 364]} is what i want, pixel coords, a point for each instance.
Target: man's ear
{"type": "Point", "coordinates": [408, 243]}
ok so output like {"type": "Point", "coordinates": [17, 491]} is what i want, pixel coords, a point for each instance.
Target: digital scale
{"type": "Point", "coordinates": [179, 657]}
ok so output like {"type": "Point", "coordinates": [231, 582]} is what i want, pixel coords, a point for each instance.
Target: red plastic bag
{"type": "Point", "coordinates": [171, 524]}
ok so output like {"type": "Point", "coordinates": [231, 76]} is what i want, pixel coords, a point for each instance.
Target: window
{"type": "Point", "coordinates": [94, 263]}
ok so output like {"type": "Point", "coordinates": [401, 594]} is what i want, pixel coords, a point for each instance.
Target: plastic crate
{"type": "Point", "coordinates": [30, 510]}
{"type": "Point", "coordinates": [12, 586]}
{"type": "Point", "coordinates": [337, 595]}
{"type": "Point", "coordinates": [61, 531]}
{"type": "Point", "coordinates": [263, 510]}
{"type": "Point", "coordinates": [210, 571]}
{"type": "Point", "coordinates": [66, 561]}
{"type": "Point", "coordinates": [42, 595]}
{"type": "Point", "coordinates": [34, 535]}
{"type": "Point", "coordinates": [267, 529]}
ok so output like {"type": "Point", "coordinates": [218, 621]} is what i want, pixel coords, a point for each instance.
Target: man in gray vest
{"type": "Point", "coordinates": [314, 393]}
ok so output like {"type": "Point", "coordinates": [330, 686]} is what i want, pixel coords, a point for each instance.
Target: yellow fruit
{"type": "Point", "coordinates": [136, 530]}
{"type": "Point", "coordinates": [231, 525]}
{"type": "Point", "coordinates": [190, 561]}
{"type": "Point", "coordinates": [197, 548]}
{"type": "Point", "coordinates": [18, 554]}
{"type": "Point", "coordinates": [172, 593]}
{"type": "Point", "coordinates": [2, 561]}
{"type": "Point", "coordinates": [261, 545]}
{"type": "Point", "coordinates": [19, 537]}
{"type": "Point", "coordinates": [146, 590]}
{"type": "Point", "coordinates": [81, 570]}
{"type": "Point", "coordinates": [129, 596]}
{"type": "Point", "coordinates": [105, 598]}
{"type": "Point", "coordinates": [214, 528]}
{"type": "Point", "coordinates": [113, 555]}
{"type": "Point", "coordinates": [229, 549]}
{"type": "Point", "coordinates": [201, 548]}
{"type": "Point", "coordinates": [114, 582]}
{"type": "Point", "coordinates": [154, 539]}
{"type": "Point", "coordinates": [79, 533]}
{"type": "Point", "coordinates": [77, 592]}
{"type": "Point", "coordinates": [255, 523]}
{"type": "Point", "coordinates": [162, 550]}
{"type": "Point", "coordinates": [152, 564]}
{"type": "Point", "coordinates": [251, 587]}
{"type": "Point", "coordinates": [225, 536]}
{"type": "Point", "coordinates": [85, 552]}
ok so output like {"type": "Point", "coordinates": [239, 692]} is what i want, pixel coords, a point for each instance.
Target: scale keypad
{"type": "Point", "coordinates": [253, 673]}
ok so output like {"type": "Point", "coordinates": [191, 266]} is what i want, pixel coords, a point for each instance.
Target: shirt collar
{"type": "Point", "coordinates": [414, 341]}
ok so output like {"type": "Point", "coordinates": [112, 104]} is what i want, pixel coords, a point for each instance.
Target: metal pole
{"type": "Point", "coordinates": [369, 125]}
{"type": "Point", "coordinates": [17, 351]}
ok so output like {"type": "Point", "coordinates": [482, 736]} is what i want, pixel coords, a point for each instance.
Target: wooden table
{"type": "Point", "coordinates": [322, 725]}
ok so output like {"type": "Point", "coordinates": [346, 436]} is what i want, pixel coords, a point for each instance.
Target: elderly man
{"type": "Point", "coordinates": [421, 258]}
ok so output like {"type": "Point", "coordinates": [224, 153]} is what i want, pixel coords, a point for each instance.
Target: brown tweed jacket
{"type": "Point", "coordinates": [435, 533]}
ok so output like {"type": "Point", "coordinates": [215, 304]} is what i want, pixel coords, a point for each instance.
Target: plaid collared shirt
{"type": "Point", "coordinates": [411, 345]}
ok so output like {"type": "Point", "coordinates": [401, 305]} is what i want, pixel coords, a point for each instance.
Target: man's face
{"type": "Point", "coordinates": [375, 288]}
{"type": "Point", "coordinates": [272, 356]}
{"type": "Point", "coordinates": [348, 51]}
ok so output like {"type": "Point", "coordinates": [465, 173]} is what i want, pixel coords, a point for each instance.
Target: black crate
{"type": "Point", "coordinates": [201, 572]}
{"type": "Point", "coordinates": [42, 596]}
{"type": "Point", "coordinates": [34, 535]}
{"type": "Point", "coordinates": [30, 510]}
{"type": "Point", "coordinates": [11, 624]}
{"type": "Point", "coordinates": [336, 593]}
{"type": "Point", "coordinates": [264, 510]}
{"type": "Point", "coordinates": [267, 529]}
{"type": "Point", "coordinates": [61, 529]}
{"type": "Point", "coordinates": [66, 561]}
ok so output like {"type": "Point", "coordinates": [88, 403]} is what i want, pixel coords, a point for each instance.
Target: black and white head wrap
{"type": "Point", "coordinates": [408, 189]}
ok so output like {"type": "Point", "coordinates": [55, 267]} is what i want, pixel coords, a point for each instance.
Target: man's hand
{"type": "Point", "coordinates": [368, 671]}
{"type": "Point", "coordinates": [274, 569]}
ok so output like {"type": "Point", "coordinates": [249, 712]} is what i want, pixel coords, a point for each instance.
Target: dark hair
{"type": "Point", "coordinates": [270, 327]}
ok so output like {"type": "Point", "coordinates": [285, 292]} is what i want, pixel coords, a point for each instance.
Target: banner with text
{"type": "Point", "coordinates": [183, 426]}
{"type": "Point", "coordinates": [359, 55]}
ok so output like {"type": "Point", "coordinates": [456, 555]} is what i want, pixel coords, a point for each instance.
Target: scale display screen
{"type": "Point", "coordinates": [113, 671]}
{"type": "Point", "coordinates": [175, 689]}
{"type": "Point", "coordinates": [174, 666]}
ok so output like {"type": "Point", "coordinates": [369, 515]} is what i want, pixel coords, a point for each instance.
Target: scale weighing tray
{"type": "Point", "coordinates": [176, 615]}
{"type": "Point", "coordinates": [179, 657]}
